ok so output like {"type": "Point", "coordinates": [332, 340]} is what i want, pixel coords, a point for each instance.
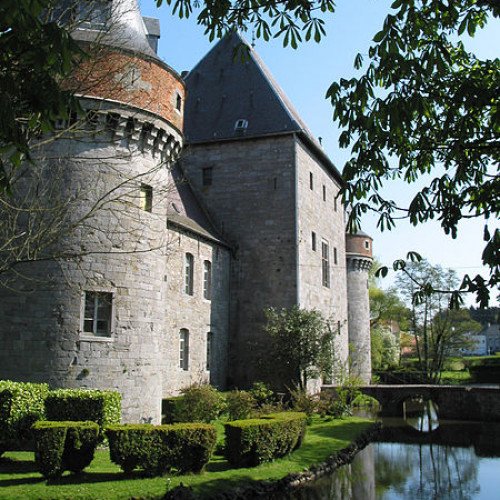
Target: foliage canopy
{"type": "Point", "coordinates": [301, 344]}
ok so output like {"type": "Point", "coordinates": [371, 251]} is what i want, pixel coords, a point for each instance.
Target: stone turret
{"type": "Point", "coordinates": [98, 321]}
{"type": "Point", "coordinates": [359, 259]}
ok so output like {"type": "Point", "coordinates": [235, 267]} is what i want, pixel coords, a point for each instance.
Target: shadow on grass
{"type": "Point", "coordinates": [10, 466]}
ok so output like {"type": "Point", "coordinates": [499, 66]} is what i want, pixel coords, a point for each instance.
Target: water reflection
{"type": "Point", "coordinates": [419, 459]}
{"type": "Point", "coordinates": [421, 415]}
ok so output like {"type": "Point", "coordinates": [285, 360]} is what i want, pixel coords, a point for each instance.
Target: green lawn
{"type": "Point", "coordinates": [104, 480]}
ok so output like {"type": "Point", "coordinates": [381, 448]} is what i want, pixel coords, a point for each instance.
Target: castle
{"type": "Point", "coordinates": [201, 200]}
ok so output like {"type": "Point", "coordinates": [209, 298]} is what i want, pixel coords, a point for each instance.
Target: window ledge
{"type": "Point", "coordinates": [95, 338]}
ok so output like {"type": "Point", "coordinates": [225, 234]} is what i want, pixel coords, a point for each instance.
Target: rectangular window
{"type": "Point", "coordinates": [335, 203]}
{"type": "Point", "coordinates": [210, 338]}
{"type": "Point", "coordinates": [207, 280]}
{"type": "Point", "coordinates": [311, 181]}
{"type": "Point", "coordinates": [189, 274]}
{"type": "Point", "coordinates": [184, 349]}
{"type": "Point", "coordinates": [206, 176]}
{"type": "Point", "coordinates": [313, 241]}
{"type": "Point", "coordinates": [324, 192]}
{"type": "Point", "coordinates": [325, 264]}
{"type": "Point", "coordinates": [335, 256]}
{"type": "Point", "coordinates": [146, 198]}
{"type": "Point", "coordinates": [97, 313]}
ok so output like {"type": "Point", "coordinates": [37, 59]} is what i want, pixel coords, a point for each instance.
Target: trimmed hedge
{"type": "Point", "coordinates": [251, 442]}
{"type": "Point", "coordinates": [102, 407]}
{"type": "Point", "coordinates": [21, 404]}
{"type": "Point", "coordinates": [163, 448]}
{"type": "Point", "coordinates": [61, 446]}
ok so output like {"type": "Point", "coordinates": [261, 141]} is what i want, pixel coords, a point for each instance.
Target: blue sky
{"type": "Point", "coordinates": [305, 74]}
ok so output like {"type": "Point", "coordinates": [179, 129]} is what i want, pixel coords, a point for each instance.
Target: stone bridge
{"type": "Point", "coordinates": [453, 402]}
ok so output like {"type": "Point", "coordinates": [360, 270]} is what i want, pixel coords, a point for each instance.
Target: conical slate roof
{"type": "Point", "coordinates": [223, 89]}
{"type": "Point", "coordinates": [118, 23]}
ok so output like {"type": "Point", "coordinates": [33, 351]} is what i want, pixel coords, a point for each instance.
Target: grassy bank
{"type": "Point", "coordinates": [104, 480]}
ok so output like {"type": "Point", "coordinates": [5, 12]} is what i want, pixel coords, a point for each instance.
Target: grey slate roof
{"type": "Point", "coordinates": [152, 26]}
{"type": "Point", "coordinates": [223, 89]}
{"type": "Point", "coordinates": [125, 29]}
{"type": "Point", "coordinates": [185, 211]}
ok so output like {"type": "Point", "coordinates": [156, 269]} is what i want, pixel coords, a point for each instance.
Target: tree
{"type": "Point", "coordinates": [438, 330]}
{"type": "Point", "coordinates": [423, 106]}
{"type": "Point", "coordinates": [36, 54]}
{"type": "Point", "coordinates": [300, 345]}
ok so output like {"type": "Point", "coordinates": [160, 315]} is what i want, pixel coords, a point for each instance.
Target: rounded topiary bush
{"type": "Point", "coordinates": [199, 403]}
{"type": "Point", "coordinates": [239, 404]}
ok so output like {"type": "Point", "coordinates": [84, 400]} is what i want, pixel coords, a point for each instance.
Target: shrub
{"type": "Point", "coordinates": [21, 404]}
{"type": "Point", "coordinates": [199, 403]}
{"type": "Point", "coordinates": [262, 394]}
{"type": "Point", "coordinates": [240, 404]}
{"type": "Point", "coordinates": [163, 448]}
{"type": "Point", "coordinates": [301, 401]}
{"type": "Point", "coordinates": [251, 442]}
{"type": "Point", "coordinates": [102, 407]}
{"type": "Point", "coordinates": [169, 409]}
{"type": "Point", "coordinates": [61, 446]}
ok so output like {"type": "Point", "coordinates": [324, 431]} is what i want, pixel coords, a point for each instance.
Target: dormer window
{"type": "Point", "coordinates": [93, 14]}
{"type": "Point", "coordinates": [241, 125]}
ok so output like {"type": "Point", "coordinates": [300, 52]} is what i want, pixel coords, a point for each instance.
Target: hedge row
{"type": "Point", "coordinates": [102, 407]}
{"type": "Point", "coordinates": [164, 448]}
{"type": "Point", "coordinates": [21, 404]}
{"type": "Point", "coordinates": [251, 442]}
{"type": "Point", "coordinates": [61, 446]}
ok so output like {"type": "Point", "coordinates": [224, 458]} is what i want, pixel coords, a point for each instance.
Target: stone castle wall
{"type": "Point", "coordinates": [195, 313]}
{"type": "Point", "coordinates": [120, 249]}
{"type": "Point", "coordinates": [323, 215]}
{"type": "Point", "coordinates": [251, 198]}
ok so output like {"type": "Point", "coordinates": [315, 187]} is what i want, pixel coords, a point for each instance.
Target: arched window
{"type": "Point", "coordinates": [207, 280]}
{"type": "Point", "coordinates": [184, 349]}
{"type": "Point", "coordinates": [210, 340]}
{"type": "Point", "coordinates": [189, 274]}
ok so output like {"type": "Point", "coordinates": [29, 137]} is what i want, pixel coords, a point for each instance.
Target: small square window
{"type": "Point", "coordinates": [146, 198]}
{"type": "Point", "coordinates": [206, 176]}
{"type": "Point", "coordinates": [97, 313]}
{"type": "Point", "coordinates": [313, 241]}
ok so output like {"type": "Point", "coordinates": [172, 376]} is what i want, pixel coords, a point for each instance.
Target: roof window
{"type": "Point", "coordinates": [241, 125]}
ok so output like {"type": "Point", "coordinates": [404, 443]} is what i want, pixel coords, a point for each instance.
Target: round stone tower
{"type": "Point", "coordinates": [94, 316]}
{"type": "Point", "coordinates": [359, 259]}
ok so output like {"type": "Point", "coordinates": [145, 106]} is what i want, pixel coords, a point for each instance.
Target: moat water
{"type": "Point", "coordinates": [419, 458]}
